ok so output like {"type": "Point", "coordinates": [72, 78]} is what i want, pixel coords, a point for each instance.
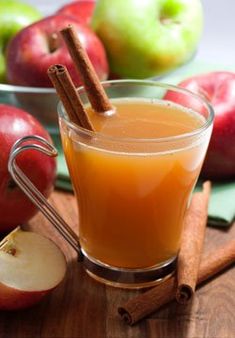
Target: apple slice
{"type": "Point", "coordinates": [31, 266]}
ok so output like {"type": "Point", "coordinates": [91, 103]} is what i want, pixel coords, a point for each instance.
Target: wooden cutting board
{"type": "Point", "coordinates": [83, 308]}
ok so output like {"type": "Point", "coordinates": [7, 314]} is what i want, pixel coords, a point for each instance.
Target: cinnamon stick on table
{"type": "Point", "coordinates": [95, 91]}
{"type": "Point", "coordinates": [68, 94]}
{"type": "Point", "coordinates": [143, 305]}
{"type": "Point", "coordinates": [191, 244]}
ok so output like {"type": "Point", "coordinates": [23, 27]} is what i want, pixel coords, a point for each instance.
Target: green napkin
{"type": "Point", "coordinates": [64, 184]}
{"type": "Point", "coordinates": [222, 201]}
{"type": "Point", "coordinates": [63, 180]}
{"type": "Point", "coordinates": [221, 211]}
{"type": "Point", "coordinates": [222, 204]}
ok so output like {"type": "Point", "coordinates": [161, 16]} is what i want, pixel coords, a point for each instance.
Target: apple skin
{"type": "Point", "coordinates": [35, 48]}
{"type": "Point", "coordinates": [14, 15]}
{"type": "Point", "coordinates": [81, 10]}
{"type": "Point", "coordinates": [13, 299]}
{"type": "Point", "coordinates": [15, 206]}
{"type": "Point", "coordinates": [219, 89]}
{"type": "Point", "coordinates": [150, 37]}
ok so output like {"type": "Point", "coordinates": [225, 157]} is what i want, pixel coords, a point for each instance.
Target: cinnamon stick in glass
{"type": "Point", "coordinates": [69, 96]}
{"type": "Point", "coordinates": [95, 91]}
{"type": "Point", "coordinates": [191, 244]}
{"type": "Point", "coordinates": [143, 305]}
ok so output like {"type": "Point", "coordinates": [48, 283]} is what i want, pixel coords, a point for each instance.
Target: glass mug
{"type": "Point", "coordinates": [132, 193]}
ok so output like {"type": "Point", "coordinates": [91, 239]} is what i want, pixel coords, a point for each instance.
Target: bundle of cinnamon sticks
{"type": "Point", "coordinates": [190, 270]}
{"type": "Point", "coordinates": [66, 90]}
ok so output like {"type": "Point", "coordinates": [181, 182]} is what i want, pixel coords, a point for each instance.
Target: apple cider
{"type": "Point", "coordinates": [132, 191]}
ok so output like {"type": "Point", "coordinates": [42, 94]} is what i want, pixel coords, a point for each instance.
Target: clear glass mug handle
{"type": "Point", "coordinates": [33, 193]}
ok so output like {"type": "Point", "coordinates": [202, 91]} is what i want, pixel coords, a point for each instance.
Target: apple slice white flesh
{"type": "Point", "coordinates": [30, 267]}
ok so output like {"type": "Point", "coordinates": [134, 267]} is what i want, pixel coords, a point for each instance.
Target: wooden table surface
{"type": "Point", "coordinates": [83, 308]}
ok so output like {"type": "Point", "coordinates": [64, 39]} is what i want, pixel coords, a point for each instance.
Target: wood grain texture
{"type": "Point", "coordinates": [83, 308]}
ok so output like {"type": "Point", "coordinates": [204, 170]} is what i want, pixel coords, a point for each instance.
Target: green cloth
{"type": "Point", "coordinates": [222, 201]}
{"type": "Point", "coordinates": [64, 184]}
{"type": "Point", "coordinates": [63, 180]}
{"type": "Point", "coordinates": [222, 204]}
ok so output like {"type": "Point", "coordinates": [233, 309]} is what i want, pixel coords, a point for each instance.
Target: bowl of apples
{"type": "Point", "coordinates": [33, 47]}
{"type": "Point", "coordinates": [124, 40]}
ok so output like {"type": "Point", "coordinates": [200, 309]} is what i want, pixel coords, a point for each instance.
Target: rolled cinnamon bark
{"type": "Point", "coordinates": [95, 91]}
{"type": "Point", "coordinates": [191, 245]}
{"type": "Point", "coordinates": [143, 305]}
{"type": "Point", "coordinates": [68, 94]}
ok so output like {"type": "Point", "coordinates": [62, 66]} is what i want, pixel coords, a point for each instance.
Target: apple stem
{"type": "Point", "coordinates": [53, 42]}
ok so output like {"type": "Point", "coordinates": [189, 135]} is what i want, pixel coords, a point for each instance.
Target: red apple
{"type": "Point", "coordinates": [31, 266]}
{"type": "Point", "coordinates": [219, 89]}
{"type": "Point", "coordinates": [15, 207]}
{"type": "Point", "coordinates": [38, 46]}
{"type": "Point", "coordinates": [81, 10]}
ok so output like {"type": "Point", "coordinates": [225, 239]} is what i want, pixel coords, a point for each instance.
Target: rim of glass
{"type": "Point", "coordinates": [124, 82]}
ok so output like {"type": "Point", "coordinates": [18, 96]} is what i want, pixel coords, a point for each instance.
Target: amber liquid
{"type": "Point", "coordinates": [132, 196]}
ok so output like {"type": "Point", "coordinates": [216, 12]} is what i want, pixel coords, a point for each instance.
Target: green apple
{"type": "Point", "coordinates": [149, 37]}
{"type": "Point", "coordinates": [14, 15]}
